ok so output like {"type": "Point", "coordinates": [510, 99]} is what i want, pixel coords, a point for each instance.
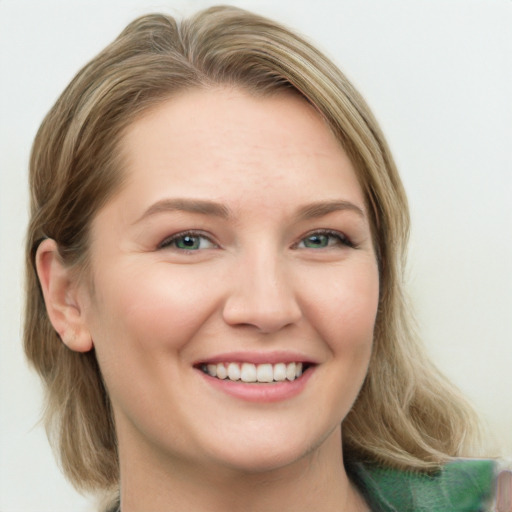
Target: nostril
{"type": "Point", "coordinates": [261, 300]}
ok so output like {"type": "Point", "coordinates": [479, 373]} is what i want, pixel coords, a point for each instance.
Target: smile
{"type": "Point", "coordinates": [252, 373]}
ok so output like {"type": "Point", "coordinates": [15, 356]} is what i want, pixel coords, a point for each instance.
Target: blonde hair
{"type": "Point", "coordinates": [406, 415]}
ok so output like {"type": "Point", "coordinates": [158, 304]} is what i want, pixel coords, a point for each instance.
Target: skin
{"type": "Point", "coordinates": [255, 284]}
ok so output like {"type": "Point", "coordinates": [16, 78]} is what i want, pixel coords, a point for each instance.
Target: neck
{"type": "Point", "coordinates": [317, 481]}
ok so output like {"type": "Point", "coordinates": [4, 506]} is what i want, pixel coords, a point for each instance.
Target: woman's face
{"type": "Point", "coordinates": [240, 245]}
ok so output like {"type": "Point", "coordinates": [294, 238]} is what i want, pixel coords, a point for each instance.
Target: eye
{"type": "Point", "coordinates": [324, 239]}
{"type": "Point", "coordinates": [189, 241]}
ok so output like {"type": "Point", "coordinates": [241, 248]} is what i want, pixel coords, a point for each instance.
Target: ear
{"type": "Point", "coordinates": [61, 296]}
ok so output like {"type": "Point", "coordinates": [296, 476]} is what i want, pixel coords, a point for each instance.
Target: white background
{"type": "Point", "coordinates": [438, 76]}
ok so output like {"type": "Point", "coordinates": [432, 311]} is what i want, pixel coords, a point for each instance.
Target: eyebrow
{"type": "Point", "coordinates": [205, 207]}
{"type": "Point", "coordinates": [322, 208]}
{"type": "Point", "coordinates": [187, 205]}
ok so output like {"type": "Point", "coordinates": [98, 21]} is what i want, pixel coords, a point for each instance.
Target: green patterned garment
{"type": "Point", "coordinates": [461, 486]}
{"type": "Point", "coordinates": [465, 485]}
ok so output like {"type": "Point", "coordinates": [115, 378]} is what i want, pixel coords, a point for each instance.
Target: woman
{"type": "Point", "coordinates": [215, 302]}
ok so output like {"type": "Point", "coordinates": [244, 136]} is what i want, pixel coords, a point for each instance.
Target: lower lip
{"type": "Point", "coordinates": [263, 393]}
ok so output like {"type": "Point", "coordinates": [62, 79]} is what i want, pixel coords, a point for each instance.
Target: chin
{"type": "Point", "coordinates": [265, 454]}
{"type": "Point", "coordinates": [263, 461]}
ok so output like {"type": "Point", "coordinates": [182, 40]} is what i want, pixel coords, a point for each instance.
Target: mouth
{"type": "Point", "coordinates": [265, 373]}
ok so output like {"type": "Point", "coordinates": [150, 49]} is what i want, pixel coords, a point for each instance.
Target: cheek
{"type": "Point", "coordinates": [344, 313]}
{"type": "Point", "coordinates": [150, 308]}
{"type": "Point", "coordinates": [346, 306]}
{"type": "Point", "coordinates": [142, 319]}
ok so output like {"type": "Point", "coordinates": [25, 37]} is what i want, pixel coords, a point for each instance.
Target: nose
{"type": "Point", "coordinates": [262, 295]}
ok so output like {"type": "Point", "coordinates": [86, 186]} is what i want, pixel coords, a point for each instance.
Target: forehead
{"type": "Point", "coordinates": [236, 116]}
{"type": "Point", "coordinates": [231, 134]}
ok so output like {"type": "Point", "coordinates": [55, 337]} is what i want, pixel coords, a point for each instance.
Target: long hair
{"type": "Point", "coordinates": [406, 415]}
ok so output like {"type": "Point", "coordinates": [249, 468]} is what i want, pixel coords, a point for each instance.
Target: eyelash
{"type": "Point", "coordinates": [340, 237]}
{"type": "Point", "coordinates": [167, 242]}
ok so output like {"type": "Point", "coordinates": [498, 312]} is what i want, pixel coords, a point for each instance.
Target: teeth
{"type": "Point", "coordinates": [290, 371]}
{"type": "Point", "coordinates": [212, 370]}
{"type": "Point", "coordinates": [264, 373]}
{"type": "Point", "coordinates": [248, 372]}
{"type": "Point", "coordinates": [280, 372]}
{"type": "Point", "coordinates": [222, 373]}
{"type": "Point", "coordinates": [233, 371]}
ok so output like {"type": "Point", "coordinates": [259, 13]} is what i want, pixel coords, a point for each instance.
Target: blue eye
{"type": "Point", "coordinates": [322, 240]}
{"type": "Point", "coordinates": [187, 242]}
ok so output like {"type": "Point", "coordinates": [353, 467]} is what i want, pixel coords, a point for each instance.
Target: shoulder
{"type": "Point", "coordinates": [464, 485]}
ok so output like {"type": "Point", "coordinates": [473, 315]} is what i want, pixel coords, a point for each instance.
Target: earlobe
{"type": "Point", "coordinates": [60, 291]}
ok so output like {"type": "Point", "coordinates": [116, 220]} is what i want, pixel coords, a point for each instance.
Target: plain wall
{"type": "Point", "coordinates": [438, 76]}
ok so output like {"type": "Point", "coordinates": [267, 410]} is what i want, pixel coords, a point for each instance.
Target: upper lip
{"type": "Point", "coordinates": [257, 358]}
